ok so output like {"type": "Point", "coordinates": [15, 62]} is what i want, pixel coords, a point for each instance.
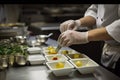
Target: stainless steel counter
{"type": "Point", "coordinates": [41, 72]}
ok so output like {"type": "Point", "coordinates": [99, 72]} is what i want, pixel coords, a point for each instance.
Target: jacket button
{"type": "Point", "coordinates": [101, 19]}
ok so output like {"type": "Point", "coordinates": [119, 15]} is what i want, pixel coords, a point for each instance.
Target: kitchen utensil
{"type": "Point", "coordinates": [43, 38]}
{"type": "Point", "coordinates": [58, 48]}
{"type": "Point", "coordinates": [21, 39]}
{"type": "Point", "coordinates": [21, 59]}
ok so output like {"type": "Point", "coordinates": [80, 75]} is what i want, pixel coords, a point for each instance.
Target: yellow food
{"type": "Point", "coordinates": [59, 65]}
{"type": "Point", "coordinates": [64, 51]}
{"type": "Point", "coordinates": [78, 63]}
{"type": "Point", "coordinates": [76, 56]}
{"type": "Point", "coordinates": [50, 47]}
{"type": "Point", "coordinates": [52, 51]}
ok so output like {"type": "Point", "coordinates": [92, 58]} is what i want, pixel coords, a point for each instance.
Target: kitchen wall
{"type": "Point", "coordinates": [52, 12]}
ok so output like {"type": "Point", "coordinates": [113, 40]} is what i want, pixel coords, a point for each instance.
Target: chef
{"type": "Point", "coordinates": [106, 21]}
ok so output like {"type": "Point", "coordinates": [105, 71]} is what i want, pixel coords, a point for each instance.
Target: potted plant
{"type": "Point", "coordinates": [20, 54]}
{"type": "Point", "coordinates": [3, 56]}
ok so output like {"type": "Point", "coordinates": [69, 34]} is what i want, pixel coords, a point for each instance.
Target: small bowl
{"type": "Point", "coordinates": [86, 65]}
{"type": "Point", "coordinates": [21, 39]}
{"type": "Point", "coordinates": [21, 59]}
{"type": "Point", "coordinates": [68, 68]}
{"type": "Point", "coordinates": [57, 57]}
{"type": "Point", "coordinates": [43, 38]}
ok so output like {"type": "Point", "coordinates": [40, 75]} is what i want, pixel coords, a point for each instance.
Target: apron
{"type": "Point", "coordinates": [110, 55]}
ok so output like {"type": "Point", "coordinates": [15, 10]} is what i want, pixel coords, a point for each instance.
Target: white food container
{"type": "Point", "coordinates": [68, 68]}
{"type": "Point", "coordinates": [59, 57]}
{"type": "Point", "coordinates": [34, 50]}
{"type": "Point", "coordinates": [88, 65]}
{"type": "Point", "coordinates": [76, 56]}
{"type": "Point", "coordinates": [36, 59]}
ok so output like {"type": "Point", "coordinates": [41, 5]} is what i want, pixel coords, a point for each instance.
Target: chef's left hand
{"type": "Point", "coordinates": [71, 37]}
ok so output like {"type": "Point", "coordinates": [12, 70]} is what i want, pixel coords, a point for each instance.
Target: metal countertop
{"type": "Point", "coordinates": [41, 72]}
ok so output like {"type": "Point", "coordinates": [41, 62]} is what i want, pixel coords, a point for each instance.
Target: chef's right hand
{"type": "Point", "coordinates": [70, 25]}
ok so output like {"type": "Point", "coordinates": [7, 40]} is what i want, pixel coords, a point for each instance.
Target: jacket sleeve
{"type": "Point", "coordinates": [92, 11]}
{"type": "Point", "coordinates": [114, 28]}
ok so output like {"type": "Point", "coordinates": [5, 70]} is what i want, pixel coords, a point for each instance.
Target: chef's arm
{"type": "Point", "coordinates": [99, 34]}
{"type": "Point", "coordinates": [88, 21]}
{"type": "Point", "coordinates": [89, 18]}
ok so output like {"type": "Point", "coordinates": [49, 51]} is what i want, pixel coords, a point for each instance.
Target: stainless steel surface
{"type": "Point", "coordinates": [3, 74]}
{"type": "Point", "coordinates": [41, 72]}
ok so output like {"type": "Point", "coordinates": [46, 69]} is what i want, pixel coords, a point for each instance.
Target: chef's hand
{"type": "Point", "coordinates": [71, 37]}
{"type": "Point", "coordinates": [70, 25]}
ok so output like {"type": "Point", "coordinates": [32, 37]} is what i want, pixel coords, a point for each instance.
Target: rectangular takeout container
{"type": "Point", "coordinates": [36, 59]}
{"type": "Point", "coordinates": [57, 57]}
{"type": "Point", "coordinates": [76, 56]}
{"type": "Point", "coordinates": [68, 67]}
{"type": "Point", "coordinates": [87, 65]}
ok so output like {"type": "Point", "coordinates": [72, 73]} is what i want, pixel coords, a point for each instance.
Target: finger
{"type": "Point", "coordinates": [62, 40]}
{"type": "Point", "coordinates": [69, 43]}
{"type": "Point", "coordinates": [62, 27]}
{"type": "Point", "coordinates": [75, 28]}
{"type": "Point", "coordinates": [70, 26]}
{"type": "Point", "coordinates": [65, 42]}
{"type": "Point", "coordinates": [59, 37]}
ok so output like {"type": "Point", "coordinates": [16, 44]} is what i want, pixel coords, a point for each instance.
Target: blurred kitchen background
{"type": "Point", "coordinates": [45, 19]}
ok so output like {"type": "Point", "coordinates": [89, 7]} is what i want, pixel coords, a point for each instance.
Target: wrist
{"type": "Point", "coordinates": [77, 23]}
{"type": "Point", "coordinates": [86, 37]}
{"type": "Point", "coordinates": [83, 37]}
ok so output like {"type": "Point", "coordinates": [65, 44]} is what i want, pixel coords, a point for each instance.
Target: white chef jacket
{"type": "Point", "coordinates": [108, 15]}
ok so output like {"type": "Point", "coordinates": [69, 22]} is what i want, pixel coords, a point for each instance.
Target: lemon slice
{"type": "Point", "coordinates": [59, 65]}
{"type": "Point", "coordinates": [78, 63]}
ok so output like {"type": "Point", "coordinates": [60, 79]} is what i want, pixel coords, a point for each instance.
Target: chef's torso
{"type": "Point", "coordinates": [106, 14]}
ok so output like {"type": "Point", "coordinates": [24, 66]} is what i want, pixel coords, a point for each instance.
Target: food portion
{"type": "Point", "coordinates": [52, 51]}
{"type": "Point", "coordinates": [64, 52]}
{"type": "Point", "coordinates": [78, 63]}
{"type": "Point", "coordinates": [55, 58]}
{"type": "Point", "coordinates": [76, 56]}
{"type": "Point", "coordinates": [59, 65]}
{"type": "Point", "coordinates": [50, 47]}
